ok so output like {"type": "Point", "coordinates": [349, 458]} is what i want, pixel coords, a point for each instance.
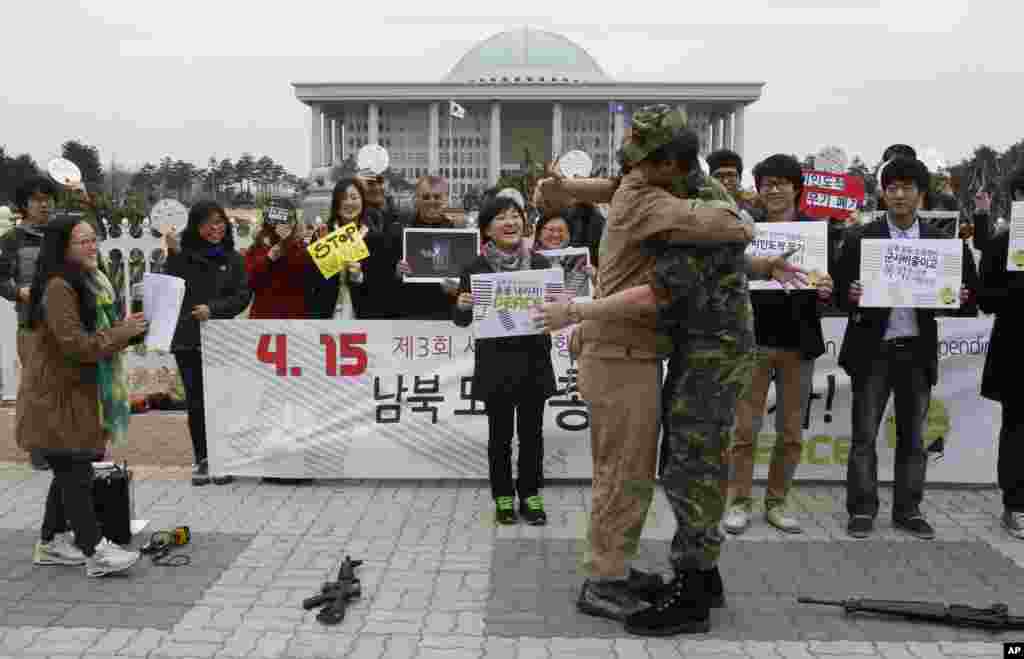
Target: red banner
{"type": "Point", "coordinates": [828, 194]}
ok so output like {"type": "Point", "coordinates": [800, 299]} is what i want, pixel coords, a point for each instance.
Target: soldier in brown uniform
{"type": "Point", "coordinates": [620, 356]}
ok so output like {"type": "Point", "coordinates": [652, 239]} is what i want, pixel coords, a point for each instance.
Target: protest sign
{"type": "Point", "coordinates": [434, 255]}
{"type": "Point", "coordinates": [810, 239]}
{"type": "Point", "coordinates": [64, 171]}
{"type": "Point", "coordinates": [828, 194]}
{"type": "Point", "coordinates": [1015, 255]}
{"type": "Point", "coordinates": [503, 301]}
{"type": "Point", "coordinates": [926, 273]}
{"type": "Point", "coordinates": [575, 164]}
{"type": "Point", "coordinates": [574, 262]}
{"type": "Point", "coordinates": [343, 245]}
{"type": "Point", "coordinates": [162, 298]}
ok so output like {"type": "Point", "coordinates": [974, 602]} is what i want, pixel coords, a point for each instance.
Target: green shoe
{"type": "Point", "coordinates": [531, 510]}
{"type": "Point", "coordinates": [505, 510]}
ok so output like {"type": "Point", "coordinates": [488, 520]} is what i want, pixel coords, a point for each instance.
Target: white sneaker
{"type": "Point", "coordinates": [59, 551]}
{"type": "Point", "coordinates": [109, 559]}
{"type": "Point", "coordinates": [737, 520]}
{"type": "Point", "coordinates": [783, 520]}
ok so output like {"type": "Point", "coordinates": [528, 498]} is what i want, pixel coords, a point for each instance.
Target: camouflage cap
{"type": "Point", "coordinates": [653, 126]}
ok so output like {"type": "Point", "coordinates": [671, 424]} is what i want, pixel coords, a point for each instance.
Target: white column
{"type": "Point", "coordinates": [336, 139]}
{"type": "Point", "coordinates": [316, 144]}
{"type": "Point", "coordinates": [328, 140]}
{"type": "Point", "coordinates": [433, 135]}
{"type": "Point", "coordinates": [372, 120]}
{"type": "Point", "coordinates": [728, 143]}
{"type": "Point", "coordinates": [618, 135]}
{"type": "Point", "coordinates": [737, 139]}
{"type": "Point", "coordinates": [556, 130]}
{"type": "Point", "coordinates": [494, 170]}
{"type": "Point", "coordinates": [718, 124]}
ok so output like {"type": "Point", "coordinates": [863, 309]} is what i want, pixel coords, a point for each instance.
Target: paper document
{"type": "Point", "coordinates": [810, 239]}
{"type": "Point", "coordinates": [161, 302]}
{"type": "Point", "coordinates": [503, 302]}
{"type": "Point", "coordinates": [898, 273]}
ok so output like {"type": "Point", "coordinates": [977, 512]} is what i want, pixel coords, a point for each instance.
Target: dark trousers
{"type": "Point", "coordinates": [1011, 455]}
{"type": "Point", "coordinates": [70, 501]}
{"type": "Point", "coordinates": [190, 363]}
{"type": "Point", "coordinates": [528, 418]}
{"type": "Point", "coordinates": [896, 369]}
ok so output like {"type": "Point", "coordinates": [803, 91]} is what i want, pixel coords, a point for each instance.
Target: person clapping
{"type": "Point", "coordinates": [513, 376]}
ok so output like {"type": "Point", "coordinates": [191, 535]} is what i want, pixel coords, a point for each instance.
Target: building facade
{"type": "Point", "coordinates": [527, 94]}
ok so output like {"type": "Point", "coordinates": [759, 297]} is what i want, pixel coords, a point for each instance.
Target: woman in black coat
{"type": "Point", "coordinates": [512, 375]}
{"type": "Point", "coordinates": [216, 286]}
{"type": "Point", "coordinates": [1002, 293]}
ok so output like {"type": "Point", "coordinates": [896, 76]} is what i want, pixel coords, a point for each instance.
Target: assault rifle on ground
{"type": "Point", "coordinates": [995, 618]}
{"type": "Point", "coordinates": [334, 595]}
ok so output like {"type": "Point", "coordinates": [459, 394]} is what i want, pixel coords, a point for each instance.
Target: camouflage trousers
{"type": "Point", "coordinates": [706, 377]}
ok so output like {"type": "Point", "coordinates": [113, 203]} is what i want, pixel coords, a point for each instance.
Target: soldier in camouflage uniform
{"type": "Point", "coordinates": [703, 310]}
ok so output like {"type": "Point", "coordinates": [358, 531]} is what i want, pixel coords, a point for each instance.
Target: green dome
{"type": "Point", "coordinates": [527, 56]}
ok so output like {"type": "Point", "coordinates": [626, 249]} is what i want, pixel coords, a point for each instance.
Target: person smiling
{"type": "Point", "coordinates": [73, 397]}
{"type": "Point", "coordinates": [513, 376]}
{"type": "Point", "coordinates": [345, 294]}
{"type": "Point", "coordinates": [279, 267]}
{"type": "Point", "coordinates": [216, 286]}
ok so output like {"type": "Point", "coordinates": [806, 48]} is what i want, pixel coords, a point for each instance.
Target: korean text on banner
{"type": "Point", "coordinates": [827, 194]}
{"type": "Point", "coordinates": [333, 251]}
{"type": "Point", "coordinates": [503, 302]}
{"type": "Point", "coordinates": [925, 273]}
{"type": "Point", "coordinates": [162, 296]}
{"type": "Point", "coordinates": [1015, 255]}
{"type": "Point", "coordinates": [810, 239]}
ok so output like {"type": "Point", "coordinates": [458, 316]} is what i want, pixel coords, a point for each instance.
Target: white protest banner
{"type": "Point", "coordinates": [392, 399]}
{"type": "Point", "coordinates": [503, 301]}
{"type": "Point", "coordinates": [926, 273]}
{"type": "Point", "coordinates": [1015, 255]}
{"type": "Point", "coordinates": [810, 239]}
{"type": "Point", "coordinates": [574, 262]}
{"type": "Point", "coordinates": [162, 296]}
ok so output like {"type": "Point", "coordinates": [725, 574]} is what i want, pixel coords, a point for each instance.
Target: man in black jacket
{"type": "Point", "coordinates": [890, 351]}
{"type": "Point", "coordinates": [19, 249]}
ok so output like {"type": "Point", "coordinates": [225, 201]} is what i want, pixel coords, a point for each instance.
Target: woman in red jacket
{"type": "Point", "coordinates": [279, 267]}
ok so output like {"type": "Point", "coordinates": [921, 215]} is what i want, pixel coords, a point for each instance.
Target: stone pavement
{"type": "Point", "coordinates": [441, 581]}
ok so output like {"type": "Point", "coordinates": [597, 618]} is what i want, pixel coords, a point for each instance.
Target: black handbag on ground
{"type": "Point", "coordinates": [112, 498]}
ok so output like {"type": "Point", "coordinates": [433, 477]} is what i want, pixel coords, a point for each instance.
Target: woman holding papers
{"type": "Point", "coordinates": [338, 296]}
{"type": "Point", "coordinates": [216, 286]}
{"type": "Point", "coordinates": [73, 397]}
{"type": "Point", "coordinates": [279, 267]}
{"type": "Point", "coordinates": [513, 376]}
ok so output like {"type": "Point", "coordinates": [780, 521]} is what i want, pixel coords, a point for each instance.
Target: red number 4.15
{"type": "Point", "coordinates": [353, 358]}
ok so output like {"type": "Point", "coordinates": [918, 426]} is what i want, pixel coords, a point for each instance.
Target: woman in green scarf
{"type": "Point", "coordinates": [73, 396]}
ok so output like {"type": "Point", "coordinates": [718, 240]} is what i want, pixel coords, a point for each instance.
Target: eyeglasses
{"type": "Point", "coordinates": [896, 189]}
{"type": "Point", "coordinates": [776, 185]}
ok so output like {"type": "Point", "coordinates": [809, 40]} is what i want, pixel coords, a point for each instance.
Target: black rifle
{"type": "Point", "coordinates": [995, 618]}
{"type": "Point", "coordinates": [336, 594]}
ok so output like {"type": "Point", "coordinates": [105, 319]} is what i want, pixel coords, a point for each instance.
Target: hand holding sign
{"type": "Point", "coordinates": [344, 245]}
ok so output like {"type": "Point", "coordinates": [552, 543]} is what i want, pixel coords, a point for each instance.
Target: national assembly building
{"type": "Point", "coordinates": [523, 91]}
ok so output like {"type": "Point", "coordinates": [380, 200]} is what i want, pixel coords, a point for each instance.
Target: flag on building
{"type": "Point", "coordinates": [456, 110]}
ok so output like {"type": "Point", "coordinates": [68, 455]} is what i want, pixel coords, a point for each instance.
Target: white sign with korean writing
{"type": "Point", "coordinates": [1015, 255]}
{"type": "Point", "coordinates": [809, 239]}
{"type": "Point", "coordinates": [504, 302]}
{"type": "Point", "coordinates": [926, 273]}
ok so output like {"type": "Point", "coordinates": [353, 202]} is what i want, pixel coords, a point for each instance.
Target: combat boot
{"type": "Point", "coordinates": [683, 609]}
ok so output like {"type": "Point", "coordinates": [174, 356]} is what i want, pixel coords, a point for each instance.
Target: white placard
{"type": "Point", "coordinates": [168, 215]}
{"type": "Point", "coordinates": [573, 260]}
{"type": "Point", "coordinates": [809, 238]}
{"type": "Point", "coordinates": [575, 164]}
{"type": "Point", "coordinates": [161, 302]}
{"type": "Point", "coordinates": [373, 158]}
{"type": "Point", "coordinates": [1015, 255]}
{"type": "Point", "coordinates": [64, 171]}
{"type": "Point", "coordinates": [926, 273]}
{"type": "Point", "coordinates": [503, 302]}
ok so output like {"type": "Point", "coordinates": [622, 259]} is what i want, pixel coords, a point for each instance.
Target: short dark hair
{"type": "Point", "coordinates": [901, 150]}
{"type": "Point", "coordinates": [907, 169]}
{"type": "Point", "coordinates": [492, 209]}
{"type": "Point", "coordinates": [725, 158]}
{"type": "Point", "coordinates": [31, 186]}
{"type": "Point", "coordinates": [683, 148]}
{"type": "Point", "coordinates": [781, 166]}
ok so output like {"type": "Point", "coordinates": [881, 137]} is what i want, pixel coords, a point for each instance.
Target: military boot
{"type": "Point", "coordinates": [683, 609]}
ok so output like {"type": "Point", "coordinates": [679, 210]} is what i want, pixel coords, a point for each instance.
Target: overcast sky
{"type": "Point", "coordinates": [191, 79]}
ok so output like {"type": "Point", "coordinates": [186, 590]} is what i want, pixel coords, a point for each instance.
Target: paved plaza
{"type": "Point", "coordinates": [440, 581]}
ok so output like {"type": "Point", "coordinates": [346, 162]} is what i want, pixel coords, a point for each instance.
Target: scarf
{"type": "Point", "coordinates": [111, 377]}
{"type": "Point", "coordinates": [501, 261]}
{"type": "Point", "coordinates": [211, 251]}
